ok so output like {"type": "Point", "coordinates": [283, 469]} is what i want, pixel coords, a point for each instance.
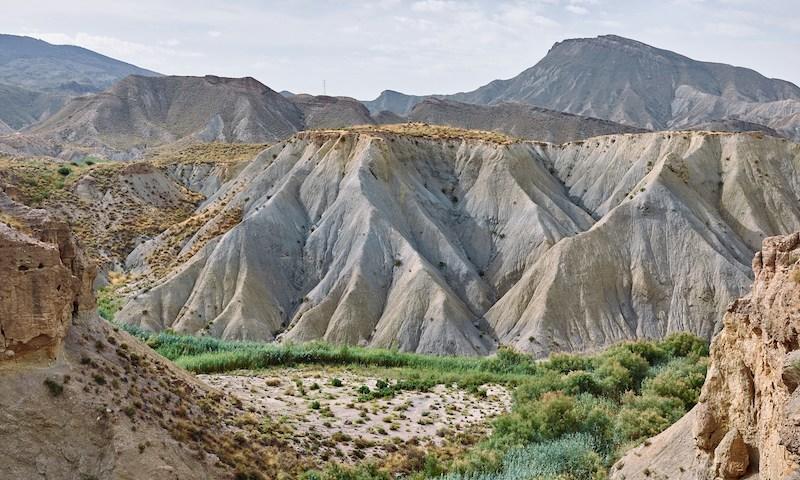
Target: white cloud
{"type": "Point", "coordinates": [434, 6]}
{"type": "Point", "coordinates": [577, 9]}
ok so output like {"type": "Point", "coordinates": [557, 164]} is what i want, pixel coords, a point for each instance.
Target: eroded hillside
{"type": "Point", "coordinates": [112, 207]}
{"type": "Point", "coordinates": [440, 240]}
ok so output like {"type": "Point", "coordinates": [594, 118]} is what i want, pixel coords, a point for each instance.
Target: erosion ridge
{"type": "Point", "coordinates": [434, 239]}
{"type": "Point", "coordinates": [114, 206]}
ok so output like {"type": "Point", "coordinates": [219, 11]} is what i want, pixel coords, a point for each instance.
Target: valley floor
{"type": "Point", "coordinates": [330, 410]}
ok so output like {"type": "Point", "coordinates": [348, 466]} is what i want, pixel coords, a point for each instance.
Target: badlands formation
{"type": "Point", "coordinates": [746, 423]}
{"type": "Point", "coordinates": [437, 240]}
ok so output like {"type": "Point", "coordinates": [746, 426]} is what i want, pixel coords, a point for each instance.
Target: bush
{"type": "Point", "coordinates": [565, 362]}
{"type": "Point", "coordinates": [581, 381]}
{"type": "Point", "coordinates": [684, 344]}
{"type": "Point", "coordinates": [681, 378]}
{"type": "Point", "coordinates": [64, 171]}
{"type": "Point", "coordinates": [619, 369]}
{"type": "Point", "coordinates": [571, 457]}
{"type": "Point", "coordinates": [644, 416]}
{"type": "Point", "coordinates": [55, 388]}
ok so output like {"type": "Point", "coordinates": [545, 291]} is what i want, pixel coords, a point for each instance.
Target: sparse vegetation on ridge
{"type": "Point", "coordinates": [416, 129]}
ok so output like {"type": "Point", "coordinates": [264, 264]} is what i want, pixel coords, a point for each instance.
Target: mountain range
{"type": "Point", "coordinates": [431, 238]}
{"type": "Point", "coordinates": [581, 88]}
{"type": "Point", "coordinates": [37, 78]}
{"type": "Point", "coordinates": [629, 82]}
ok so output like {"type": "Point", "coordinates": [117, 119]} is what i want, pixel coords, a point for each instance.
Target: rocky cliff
{"type": "Point", "coordinates": [46, 281]}
{"type": "Point", "coordinates": [747, 423]}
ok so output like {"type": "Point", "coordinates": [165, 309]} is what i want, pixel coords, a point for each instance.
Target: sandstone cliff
{"type": "Point", "coordinates": [747, 423]}
{"type": "Point", "coordinates": [46, 281]}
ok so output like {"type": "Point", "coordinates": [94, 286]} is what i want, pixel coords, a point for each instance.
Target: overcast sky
{"type": "Point", "coordinates": [422, 46]}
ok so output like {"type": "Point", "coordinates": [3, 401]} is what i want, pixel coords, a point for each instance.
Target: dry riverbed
{"type": "Point", "coordinates": [325, 410]}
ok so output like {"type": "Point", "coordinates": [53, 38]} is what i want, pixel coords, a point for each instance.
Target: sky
{"type": "Point", "coordinates": [359, 48]}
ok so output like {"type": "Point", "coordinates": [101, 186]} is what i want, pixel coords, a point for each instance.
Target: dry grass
{"type": "Point", "coordinates": [218, 153]}
{"type": "Point", "coordinates": [424, 130]}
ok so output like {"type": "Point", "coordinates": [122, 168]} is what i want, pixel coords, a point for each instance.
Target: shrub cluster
{"type": "Point", "coordinates": [572, 415]}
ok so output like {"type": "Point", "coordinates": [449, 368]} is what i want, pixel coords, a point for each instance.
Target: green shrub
{"type": "Point", "coordinates": [644, 416]}
{"type": "Point", "coordinates": [581, 381]}
{"type": "Point", "coordinates": [683, 344]}
{"type": "Point", "coordinates": [571, 457]}
{"type": "Point", "coordinates": [108, 303]}
{"type": "Point", "coordinates": [55, 388]}
{"type": "Point", "coordinates": [681, 378]}
{"type": "Point", "coordinates": [565, 362]}
{"type": "Point", "coordinates": [64, 171]}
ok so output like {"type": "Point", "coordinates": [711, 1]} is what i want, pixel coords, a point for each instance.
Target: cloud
{"type": "Point", "coordinates": [434, 6]}
{"type": "Point", "coordinates": [577, 9]}
{"type": "Point", "coordinates": [214, 33]}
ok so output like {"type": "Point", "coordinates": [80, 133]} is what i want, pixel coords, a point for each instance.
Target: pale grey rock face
{"type": "Point", "coordinates": [458, 246]}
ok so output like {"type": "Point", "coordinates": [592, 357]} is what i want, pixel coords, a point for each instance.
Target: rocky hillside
{"type": "Point", "coordinates": [746, 422]}
{"type": "Point", "coordinates": [392, 101]}
{"type": "Point", "coordinates": [138, 113]}
{"type": "Point", "coordinates": [440, 240]}
{"type": "Point", "coordinates": [37, 78]}
{"type": "Point", "coordinates": [515, 119]}
{"type": "Point", "coordinates": [81, 399]}
{"type": "Point", "coordinates": [632, 83]}
{"type": "Point", "coordinates": [115, 206]}
{"type": "Point", "coordinates": [322, 111]}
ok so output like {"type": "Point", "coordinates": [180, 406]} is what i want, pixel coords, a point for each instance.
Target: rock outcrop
{"type": "Point", "coordinates": [46, 281]}
{"type": "Point", "coordinates": [747, 423]}
{"type": "Point", "coordinates": [447, 241]}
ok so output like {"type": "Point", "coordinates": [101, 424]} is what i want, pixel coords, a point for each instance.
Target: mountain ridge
{"type": "Point", "coordinates": [632, 83]}
{"type": "Point", "coordinates": [37, 78]}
